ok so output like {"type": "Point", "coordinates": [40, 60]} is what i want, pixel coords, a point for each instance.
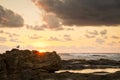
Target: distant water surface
{"type": "Point", "coordinates": [90, 56]}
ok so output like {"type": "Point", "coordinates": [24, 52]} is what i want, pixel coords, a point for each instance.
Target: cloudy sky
{"type": "Point", "coordinates": [66, 26]}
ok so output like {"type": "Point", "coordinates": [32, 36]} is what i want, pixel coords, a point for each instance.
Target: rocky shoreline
{"type": "Point", "coordinates": [33, 65]}
{"type": "Point", "coordinates": [76, 64]}
{"type": "Point", "coordinates": [23, 64]}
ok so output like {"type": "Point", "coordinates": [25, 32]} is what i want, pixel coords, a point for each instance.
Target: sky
{"type": "Point", "coordinates": [65, 26]}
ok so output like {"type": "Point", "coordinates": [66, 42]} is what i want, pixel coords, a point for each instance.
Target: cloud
{"type": "Point", "coordinates": [105, 37]}
{"type": "Point", "coordinates": [2, 39]}
{"type": "Point", "coordinates": [115, 37]}
{"type": "Point", "coordinates": [10, 19]}
{"type": "Point", "coordinates": [89, 36]}
{"type": "Point", "coordinates": [66, 35]}
{"type": "Point", "coordinates": [100, 41]}
{"type": "Point", "coordinates": [67, 38]}
{"type": "Point", "coordinates": [112, 43]}
{"type": "Point", "coordinates": [53, 39]}
{"type": "Point", "coordinates": [70, 29]}
{"type": "Point", "coordinates": [11, 34]}
{"type": "Point", "coordinates": [1, 31]}
{"type": "Point", "coordinates": [36, 27]}
{"type": "Point", "coordinates": [15, 40]}
{"type": "Point", "coordinates": [93, 32]}
{"type": "Point", "coordinates": [103, 32]}
{"type": "Point", "coordinates": [15, 35]}
{"type": "Point", "coordinates": [43, 27]}
{"type": "Point", "coordinates": [35, 36]}
{"type": "Point", "coordinates": [52, 22]}
{"type": "Point", "coordinates": [83, 12]}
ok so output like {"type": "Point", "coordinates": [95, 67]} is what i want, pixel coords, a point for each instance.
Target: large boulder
{"type": "Point", "coordinates": [16, 64]}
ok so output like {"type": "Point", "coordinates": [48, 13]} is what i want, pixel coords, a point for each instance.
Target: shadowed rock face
{"type": "Point", "coordinates": [24, 64]}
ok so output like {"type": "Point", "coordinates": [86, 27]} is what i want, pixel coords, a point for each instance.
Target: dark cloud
{"type": "Point", "coordinates": [10, 19]}
{"type": "Point", "coordinates": [2, 39]}
{"type": "Point", "coordinates": [83, 12]}
{"type": "Point", "coordinates": [115, 37]}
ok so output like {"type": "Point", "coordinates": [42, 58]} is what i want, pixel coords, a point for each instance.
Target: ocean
{"type": "Point", "coordinates": [90, 56]}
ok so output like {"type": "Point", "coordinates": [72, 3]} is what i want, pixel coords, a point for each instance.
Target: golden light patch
{"type": "Point", "coordinates": [40, 44]}
{"type": "Point", "coordinates": [42, 50]}
{"type": "Point", "coordinates": [40, 53]}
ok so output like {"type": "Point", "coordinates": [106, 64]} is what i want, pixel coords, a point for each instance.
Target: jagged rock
{"type": "Point", "coordinates": [24, 64]}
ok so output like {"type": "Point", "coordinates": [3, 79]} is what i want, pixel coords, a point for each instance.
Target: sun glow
{"type": "Point", "coordinates": [40, 44]}
{"type": "Point", "coordinates": [39, 53]}
{"type": "Point", "coordinates": [42, 50]}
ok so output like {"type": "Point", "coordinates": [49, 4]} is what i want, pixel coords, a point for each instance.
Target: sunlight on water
{"type": "Point", "coordinates": [109, 70]}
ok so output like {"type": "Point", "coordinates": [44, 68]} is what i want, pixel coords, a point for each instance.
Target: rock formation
{"type": "Point", "coordinates": [24, 64]}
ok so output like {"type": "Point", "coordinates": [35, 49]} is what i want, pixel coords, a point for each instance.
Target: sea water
{"type": "Point", "coordinates": [90, 56]}
{"type": "Point", "coordinates": [95, 71]}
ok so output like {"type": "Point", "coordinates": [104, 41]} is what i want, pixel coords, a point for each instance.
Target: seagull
{"type": "Point", "coordinates": [18, 46]}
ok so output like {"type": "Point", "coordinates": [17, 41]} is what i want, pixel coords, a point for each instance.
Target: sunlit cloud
{"type": "Point", "coordinates": [1, 31]}
{"type": "Point", "coordinates": [2, 39]}
{"type": "Point", "coordinates": [67, 38]}
{"type": "Point", "coordinates": [103, 32]}
{"type": "Point", "coordinates": [36, 27]}
{"type": "Point", "coordinates": [35, 36]}
{"type": "Point", "coordinates": [115, 37]}
{"type": "Point", "coordinates": [89, 36]}
{"type": "Point", "coordinates": [15, 40]}
{"type": "Point", "coordinates": [54, 39]}
{"type": "Point", "coordinates": [100, 41]}
{"type": "Point", "coordinates": [95, 32]}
